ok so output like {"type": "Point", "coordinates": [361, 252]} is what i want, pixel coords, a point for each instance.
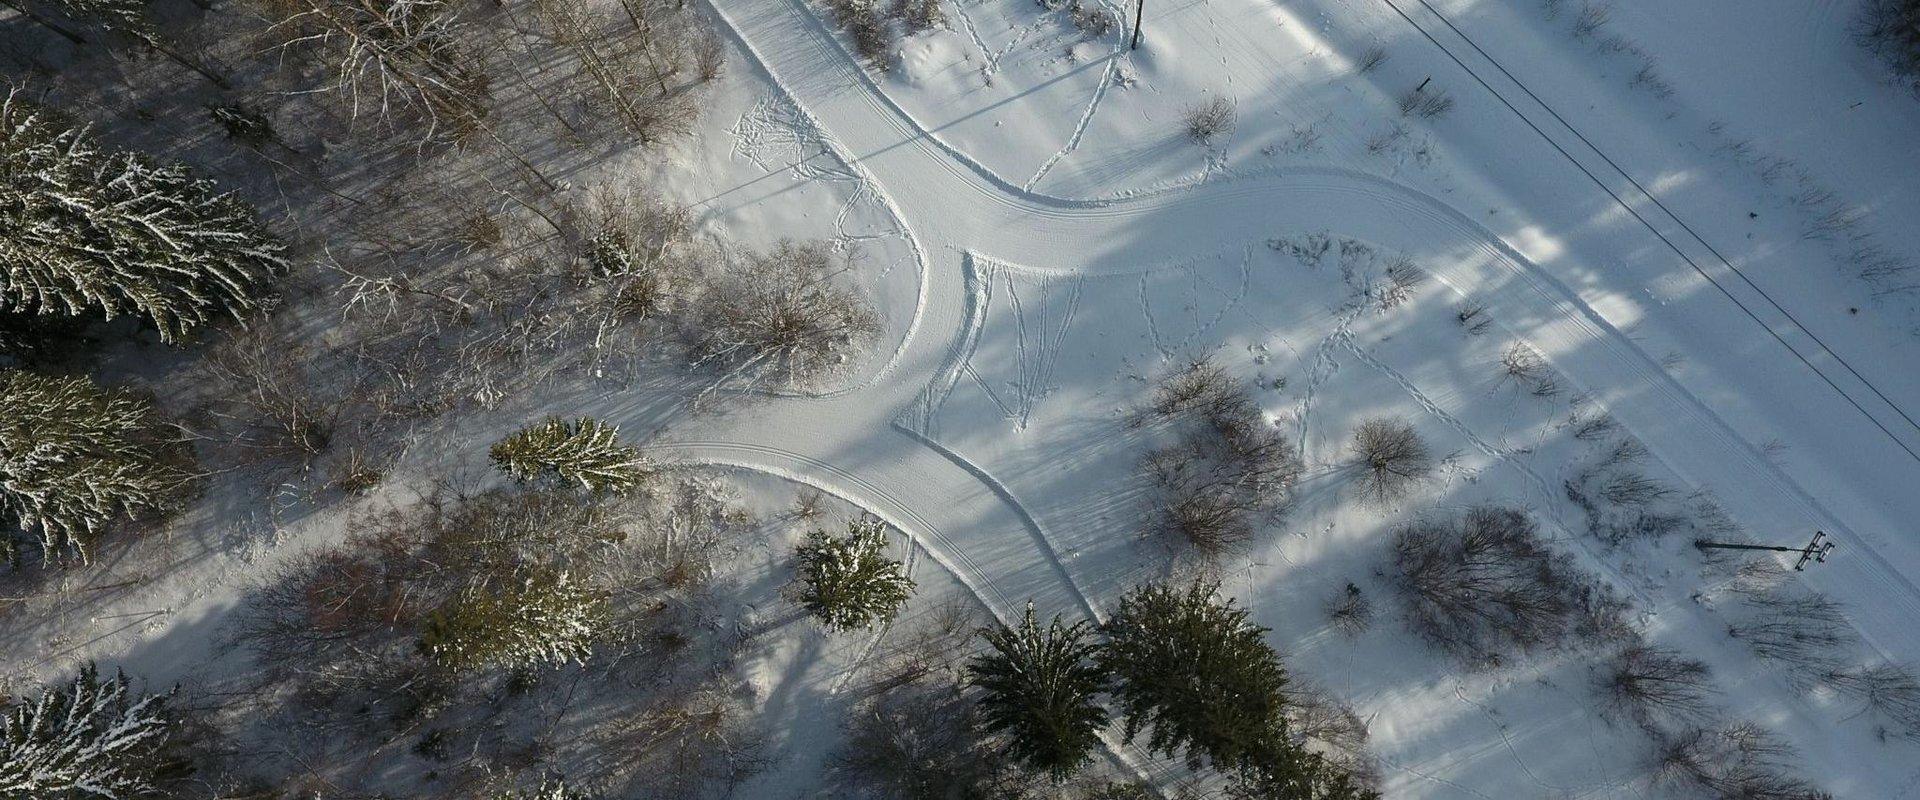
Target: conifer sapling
{"type": "Point", "coordinates": [849, 582]}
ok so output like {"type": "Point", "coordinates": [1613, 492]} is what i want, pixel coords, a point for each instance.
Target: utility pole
{"type": "Point", "coordinates": [1139, 11]}
{"type": "Point", "coordinates": [1815, 551]}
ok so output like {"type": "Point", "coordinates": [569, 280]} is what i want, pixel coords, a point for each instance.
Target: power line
{"type": "Point", "coordinates": [1658, 234]}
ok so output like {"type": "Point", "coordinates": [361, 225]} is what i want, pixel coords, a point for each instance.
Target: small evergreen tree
{"type": "Point", "coordinates": [849, 582]}
{"type": "Point", "coordinates": [88, 739]}
{"type": "Point", "coordinates": [82, 228]}
{"type": "Point", "coordinates": [1197, 672]}
{"type": "Point", "coordinates": [585, 451]}
{"type": "Point", "coordinates": [74, 458]}
{"type": "Point", "coordinates": [1282, 770]}
{"type": "Point", "coordinates": [1041, 691]}
{"type": "Point", "coordinates": [538, 617]}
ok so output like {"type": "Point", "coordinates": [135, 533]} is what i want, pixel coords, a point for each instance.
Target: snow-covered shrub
{"type": "Point", "coordinates": [1486, 584]}
{"type": "Point", "coordinates": [780, 318]}
{"type": "Point", "coordinates": [548, 790]}
{"type": "Point", "coordinates": [75, 458]}
{"type": "Point", "coordinates": [1091, 18]}
{"type": "Point", "coordinates": [849, 582]}
{"type": "Point", "coordinates": [1392, 458]}
{"type": "Point", "coordinates": [89, 738]}
{"type": "Point", "coordinates": [919, 15]}
{"type": "Point", "coordinates": [1208, 119]}
{"type": "Point", "coordinates": [1041, 691]}
{"type": "Point", "coordinates": [584, 452]}
{"type": "Point", "coordinates": [1891, 29]}
{"type": "Point", "coordinates": [85, 229]}
{"type": "Point", "coordinates": [867, 27]}
{"type": "Point", "coordinates": [1650, 684]}
{"type": "Point", "coordinates": [1227, 468]}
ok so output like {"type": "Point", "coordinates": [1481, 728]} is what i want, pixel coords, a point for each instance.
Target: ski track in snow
{"type": "Point", "coordinates": [949, 203]}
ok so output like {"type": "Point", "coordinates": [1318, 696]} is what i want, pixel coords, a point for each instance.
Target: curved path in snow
{"type": "Point", "coordinates": [864, 445]}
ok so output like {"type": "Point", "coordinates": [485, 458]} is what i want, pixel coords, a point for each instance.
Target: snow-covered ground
{"type": "Point", "coordinates": [1670, 207]}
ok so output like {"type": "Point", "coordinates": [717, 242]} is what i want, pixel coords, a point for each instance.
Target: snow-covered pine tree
{"type": "Point", "coordinates": [537, 617]}
{"type": "Point", "coordinates": [1196, 672]}
{"type": "Point", "coordinates": [74, 458]}
{"type": "Point", "coordinates": [582, 451]}
{"type": "Point", "coordinates": [849, 582]}
{"type": "Point", "coordinates": [84, 229]}
{"type": "Point", "coordinates": [87, 739]}
{"type": "Point", "coordinates": [1042, 691]}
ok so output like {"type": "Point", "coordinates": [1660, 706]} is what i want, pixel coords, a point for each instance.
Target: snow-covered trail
{"type": "Point", "coordinates": [953, 206]}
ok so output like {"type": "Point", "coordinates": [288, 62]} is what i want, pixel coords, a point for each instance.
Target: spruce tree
{"type": "Point", "coordinates": [1196, 672]}
{"type": "Point", "coordinates": [73, 459]}
{"type": "Point", "coordinates": [535, 617]}
{"type": "Point", "coordinates": [1042, 692]}
{"type": "Point", "coordinates": [84, 228]}
{"type": "Point", "coordinates": [849, 582]}
{"type": "Point", "coordinates": [582, 451]}
{"type": "Point", "coordinates": [87, 739]}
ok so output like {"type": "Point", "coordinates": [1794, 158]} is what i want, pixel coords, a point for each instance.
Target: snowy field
{"type": "Point", "coordinates": [1640, 275]}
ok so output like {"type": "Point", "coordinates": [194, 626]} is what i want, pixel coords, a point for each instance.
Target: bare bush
{"type": "Point", "coordinates": [1891, 30]}
{"type": "Point", "coordinates": [1650, 684]}
{"type": "Point", "coordinates": [700, 741]}
{"type": "Point", "coordinates": [1741, 761]}
{"type": "Point", "coordinates": [1208, 119]}
{"type": "Point", "coordinates": [1593, 17]}
{"type": "Point", "coordinates": [1371, 59]}
{"type": "Point", "coordinates": [1473, 316]}
{"type": "Point", "coordinates": [1395, 133]}
{"type": "Point", "coordinates": [1091, 18]}
{"type": "Point", "coordinates": [922, 742]}
{"type": "Point", "coordinates": [780, 319]}
{"type": "Point", "coordinates": [1525, 367]}
{"type": "Point", "coordinates": [1592, 425]}
{"type": "Point", "coordinates": [1889, 692]}
{"type": "Point", "coordinates": [1802, 629]}
{"type": "Point", "coordinates": [1392, 458]}
{"type": "Point", "coordinates": [1228, 467]}
{"type": "Point", "coordinates": [1350, 611]}
{"type": "Point", "coordinates": [1486, 585]}
{"type": "Point", "coordinates": [1425, 103]}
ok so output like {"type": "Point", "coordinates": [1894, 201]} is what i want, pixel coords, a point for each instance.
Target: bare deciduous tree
{"type": "Point", "coordinates": [1391, 457]}
{"type": "Point", "coordinates": [1650, 684]}
{"type": "Point", "coordinates": [1486, 584]}
{"type": "Point", "coordinates": [398, 60]}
